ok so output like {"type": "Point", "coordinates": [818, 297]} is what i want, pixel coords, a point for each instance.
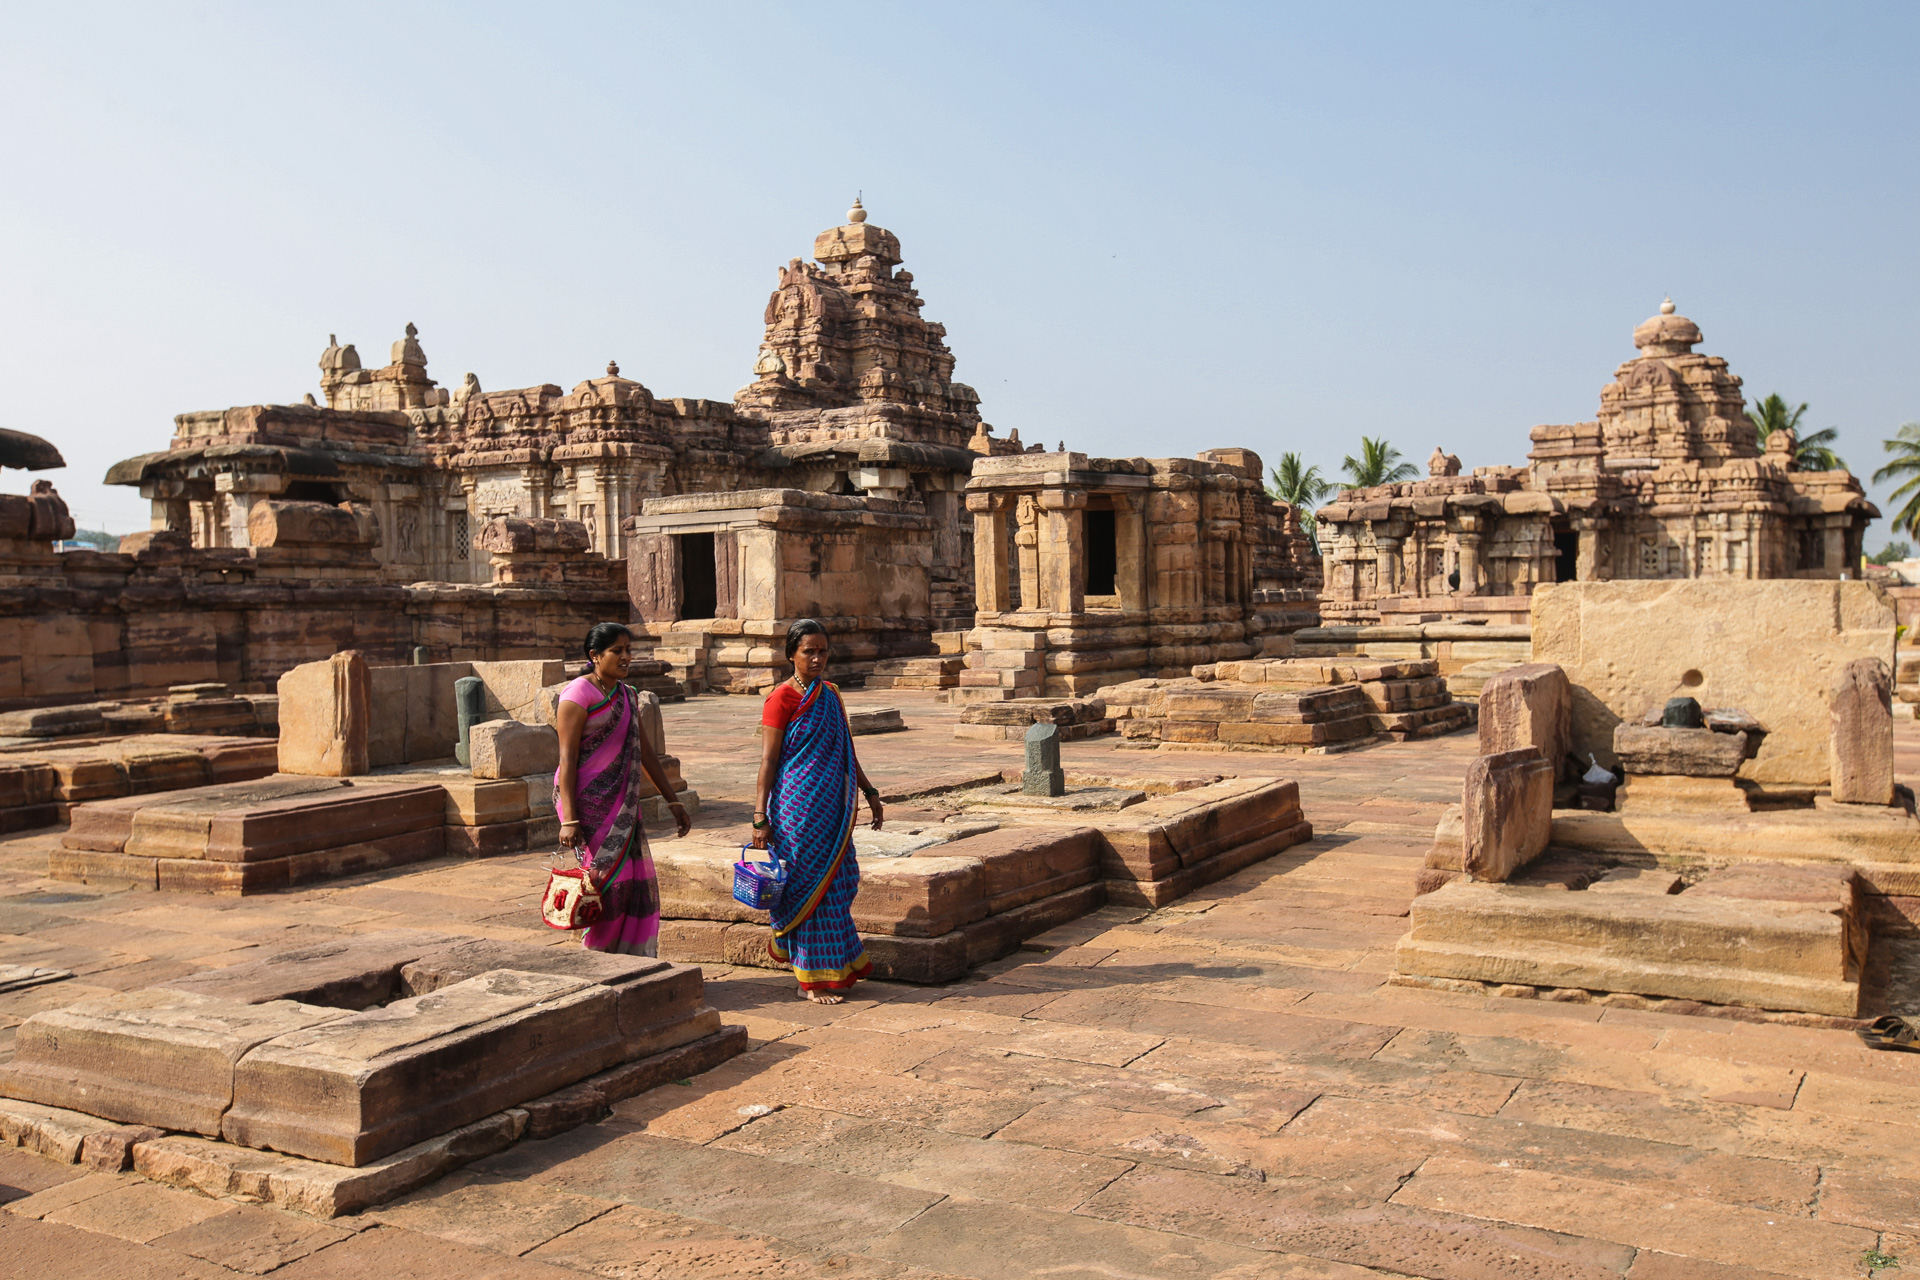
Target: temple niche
{"type": "Point", "coordinates": [1670, 481]}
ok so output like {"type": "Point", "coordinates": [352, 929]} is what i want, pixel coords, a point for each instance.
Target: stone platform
{"type": "Point", "coordinates": [1288, 704]}
{"type": "Point", "coordinates": [40, 783]}
{"type": "Point", "coordinates": [965, 896]}
{"type": "Point", "coordinates": [351, 1053]}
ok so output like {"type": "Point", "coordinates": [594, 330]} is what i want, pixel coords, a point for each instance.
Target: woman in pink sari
{"type": "Point", "coordinates": [603, 754]}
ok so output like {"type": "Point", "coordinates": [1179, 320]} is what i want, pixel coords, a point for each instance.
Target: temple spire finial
{"type": "Point", "coordinates": [1666, 308]}
{"type": "Point", "coordinates": [858, 213]}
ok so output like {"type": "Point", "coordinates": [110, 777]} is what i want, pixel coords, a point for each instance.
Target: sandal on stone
{"type": "Point", "coordinates": [1890, 1032]}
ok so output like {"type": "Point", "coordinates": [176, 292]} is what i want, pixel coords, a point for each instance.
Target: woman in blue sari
{"type": "Point", "coordinates": [805, 803]}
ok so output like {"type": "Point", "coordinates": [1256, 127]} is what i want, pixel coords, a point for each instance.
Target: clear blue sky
{"type": "Point", "coordinates": [1149, 229]}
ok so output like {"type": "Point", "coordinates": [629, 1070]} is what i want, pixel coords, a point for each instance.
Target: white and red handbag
{"type": "Point", "coordinates": [572, 899]}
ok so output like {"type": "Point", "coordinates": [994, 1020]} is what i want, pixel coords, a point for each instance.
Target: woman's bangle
{"type": "Point", "coordinates": [871, 793]}
{"type": "Point", "coordinates": [675, 804]}
{"type": "Point", "coordinates": [760, 823]}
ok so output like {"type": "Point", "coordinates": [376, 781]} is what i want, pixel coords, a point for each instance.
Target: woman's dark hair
{"type": "Point", "coordinates": [603, 635]}
{"type": "Point", "coordinates": [800, 631]}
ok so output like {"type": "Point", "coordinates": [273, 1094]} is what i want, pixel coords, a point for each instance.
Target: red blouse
{"type": "Point", "coordinates": [780, 705]}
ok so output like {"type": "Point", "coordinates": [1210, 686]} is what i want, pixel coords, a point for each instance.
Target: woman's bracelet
{"type": "Point", "coordinates": [871, 793]}
{"type": "Point", "coordinates": [675, 804]}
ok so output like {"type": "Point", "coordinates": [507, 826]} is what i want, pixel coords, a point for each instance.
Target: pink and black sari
{"type": "Point", "coordinates": [811, 814]}
{"type": "Point", "coordinates": [607, 785]}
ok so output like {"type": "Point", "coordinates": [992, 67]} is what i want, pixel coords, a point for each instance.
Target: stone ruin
{"type": "Point", "coordinates": [1670, 482]}
{"type": "Point", "coordinates": [333, 1077]}
{"type": "Point", "coordinates": [1750, 839]}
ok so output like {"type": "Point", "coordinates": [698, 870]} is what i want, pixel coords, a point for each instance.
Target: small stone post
{"type": "Point", "coordinates": [470, 702]}
{"type": "Point", "coordinates": [1861, 746]}
{"type": "Point", "coordinates": [1044, 777]}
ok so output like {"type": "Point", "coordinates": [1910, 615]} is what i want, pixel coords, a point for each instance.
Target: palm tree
{"type": "Point", "coordinates": [1905, 446]}
{"type": "Point", "coordinates": [1378, 463]}
{"type": "Point", "coordinates": [1815, 451]}
{"type": "Point", "coordinates": [1300, 487]}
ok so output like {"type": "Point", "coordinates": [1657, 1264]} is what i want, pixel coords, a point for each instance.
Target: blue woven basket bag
{"type": "Point", "coordinates": [758, 884]}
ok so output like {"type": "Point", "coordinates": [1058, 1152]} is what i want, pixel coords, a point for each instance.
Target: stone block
{"type": "Point", "coordinates": [324, 710]}
{"type": "Point", "coordinates": [1679, 794]}
{"type": "Point", "coordinates": [1860, 748]}
{"type": "Point", "coordinates": [1689, 753]}
{"type": "Point", "coordinates": [1043, 775]}
{"type": "Point", "coordinates": [1773, 647]}
{"type": "Point", "coordinates": [1528, 706]}
{"type": "Point", "coordinates": [476, 802]}
{"type": "Point", "coordinates": [1768, 954]}
{"type": "Point", "coordinates": [157, 1057]}
{"type": "Point", "coordinates": [1024, 864]}
{"type": "Point", "coordinates": [509, 749]}
{"type": "Point", "coordinates": [1507, 812]}
{"type": "Point", "coordinates": [368, 1084]}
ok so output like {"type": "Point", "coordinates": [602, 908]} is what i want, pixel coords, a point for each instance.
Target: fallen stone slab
{"type": "Point", "coordinates": [54, 1132]}
{"type": "Point", "coordinates": [17, 977]}
{"type": "Point", "coordinates": [877, 720]}
{"type": "Point", "coordinates": [315, 1188]}
{"type": "Point", "coordinates": [1507, 812]}
{"type": "Point", "coordinates": [157, 1057]}
{"type": "Point", "coordinates": [367, 1084]}
{"type": "Point", "coordinates": [1691, 753]}
{"type": "Point", "coordinates": [459, 959]}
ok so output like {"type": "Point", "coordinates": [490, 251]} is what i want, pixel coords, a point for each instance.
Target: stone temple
{"type": "Point", "coordinates": [1669, 481]}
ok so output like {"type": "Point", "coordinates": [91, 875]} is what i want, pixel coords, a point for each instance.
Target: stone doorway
{"type": "Point", "coordinates": [699, 582]}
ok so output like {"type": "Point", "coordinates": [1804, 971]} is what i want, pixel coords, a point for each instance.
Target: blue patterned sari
{"type": "Point", "coordinates": [811, 815]}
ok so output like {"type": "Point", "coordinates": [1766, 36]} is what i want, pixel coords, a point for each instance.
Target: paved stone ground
{"type": "Point", "coordinates": [1223, 1088]}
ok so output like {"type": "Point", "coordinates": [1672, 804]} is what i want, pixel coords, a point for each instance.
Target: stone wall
{"type": "Point", "coordinates": [84, 626]}
{"type": "Point", "coordinates": [1772, 649]}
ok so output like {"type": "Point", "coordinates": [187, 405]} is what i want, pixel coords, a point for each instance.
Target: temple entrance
{"type": "Point", "coordinates": [699, 584]}
{"type": "Point", "coordinates": [1566, 565]}
{"type": "Point", "coordinates": [1103, 553]}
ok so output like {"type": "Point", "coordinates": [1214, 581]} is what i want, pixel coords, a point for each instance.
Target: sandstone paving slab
{"type": "Point", "coordinates": [164, 1058]}
{"type": "Point", "coordinates": [1015, 1035]}
{"type": "Point", "coordinates": [630, 1240]}
{"type": "Point", "coordinates": [1866, 1200]}
{"type": "Point", "coordinates": [1042, 1079]}
{"type": "Point", "coordinates": [1283, 1033]}
{"type": "Point", "coordinates": [250, 1239]}
{"type": "Point", "coordinates": [1528, 1019]}
{"type": "Point", "coordinates": [1015, 1242]}
{"type": "Point", "coordinates": [865, 1050]}
{"type": "Point", "coordinates": [140, 1212]}
{"type": "Point", "coordinates": [730, 1096]}
{"type": "Point", "coordinates": [838, 1211]}
{"type": "Point", "coordinates": [1642, 1217]}
{"type": "Point", "coordinates": [1470, 1092]}
{"type": "Point", "coordinates": [1328, 1221]}
{"type": "Point", "coordinates": [1416, 1131]}
{"type": "Point", "coordinates": [392, 1253]}
{"type": "Point", "coordinates": [24, 1173]}
{"type": "Point", "coordinates": [928, 1159]}
{"type": "Point", "coordinates": [48, 1249]}
{"type": "Point", "coordinates": [66, 1194]}
{"type": "Point", "coordinates": [1209, 1145]}
{"type": "Point", "coordinates": [490, 1213]}
{"type": "Point", "coordinates": [1834, 1142]}
{"type": "Point", "coordinates": [1667, 1074]}
{"type": "Point", "coordinates": [368, 1084]}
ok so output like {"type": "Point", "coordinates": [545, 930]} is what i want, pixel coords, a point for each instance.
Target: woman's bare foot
{"type": "Point", "coordinates": [822, 997]}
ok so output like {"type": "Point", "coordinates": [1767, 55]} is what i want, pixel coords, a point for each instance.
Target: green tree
{"type": "Point", "coordinates": [1895, 550]}
{"type": "Point", "coordinates": [1815, 451]}
{"type": "Point", "coordinates": [1905, 467]}
{"type": "Point", "coordinates": [1301, 487]}
{"type": "Point", "coordinates": [1378, 463]}
{"type": "Point", "coordinates": [98, 538]}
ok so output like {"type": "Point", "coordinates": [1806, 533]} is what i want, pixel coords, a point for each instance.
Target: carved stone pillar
{"type": "Point", "coordinates": [1026, 538]}
{"type": "Point", "coordinates": [1472, 536]}
{"type": "Point", "coordinates": [992, 587]}
{"type": "Point", "coordinates": [1587, 565]}
{"type": "Point", "coordinates": [1063, 550]}
{"type": "Point", "coordinates": [1130, 552]}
